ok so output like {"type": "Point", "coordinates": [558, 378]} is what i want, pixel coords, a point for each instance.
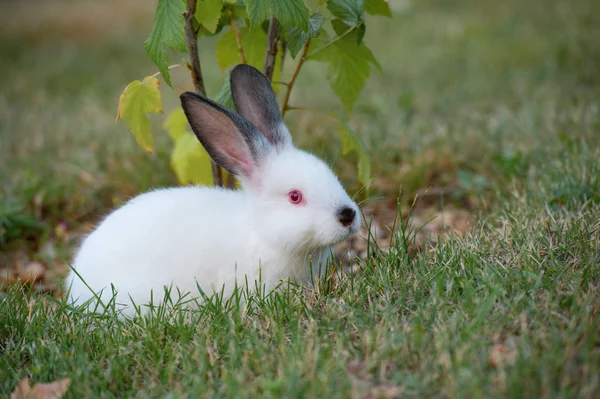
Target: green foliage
{"type": "Point", "coordinates": [208, 14]}
{"type": "Point", "coordinates": [139, 98]}
{"type": "Point", "coordinates": [351, 143]}
{"type": "Point", "coordinates": [253, 43]}
{"type": "Point", "coordinates": [296, 37]}
{"type": "Point", "coordinates": [224, 97]}
{"type": "Point", "coordinates": [520, 304]}
{"type": "Point", "coordinates": [176, 124]}
{"type": "Point", "coordinates": [258, 11]}
{"type": "Point", "coordinates": [378, 7]}
{"type": "Point", "coordinates": [289, 12]}
{"type": "Point", "coordinates": [348, 62]}
{"type": "Point", "coordinates": [189, 160]}
{"type": "Point", "coordinates": [167, 31]}
{"type": "Point", "coordinates": [349, 11]}
{"type": "Point", "coordinates": [16, 222]}
{"type": "Point", "coordinates": [348, 68]}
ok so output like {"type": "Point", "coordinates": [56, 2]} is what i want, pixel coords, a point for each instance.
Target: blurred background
{"type": "Point", "coordinates": [475, 98]}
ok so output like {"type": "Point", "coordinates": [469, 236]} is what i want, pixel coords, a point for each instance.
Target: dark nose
{"type": "Point", "coordinates": [346, 216]}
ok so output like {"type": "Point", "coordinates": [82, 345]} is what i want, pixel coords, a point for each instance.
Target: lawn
{"type": "Point", "coordinates": [489, 109]}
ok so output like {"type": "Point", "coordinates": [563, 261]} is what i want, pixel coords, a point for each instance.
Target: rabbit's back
{"type": "Point", "coordinates": [166, 236]}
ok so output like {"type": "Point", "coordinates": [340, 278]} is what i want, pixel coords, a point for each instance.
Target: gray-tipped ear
{"type": "Point", "coordinates": [255, 100]}
{"type": "Point", "coordinates": [230, 140]}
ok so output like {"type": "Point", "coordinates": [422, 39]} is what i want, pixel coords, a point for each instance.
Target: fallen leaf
{"type": "Point", "coordinates": [356, 366]}
{"type": "Point", "coordinates": [32, 272]}
{"type": "Point", "coordinates": [501, 354]}
{"type": "Point", "coordinates": [51, 390]}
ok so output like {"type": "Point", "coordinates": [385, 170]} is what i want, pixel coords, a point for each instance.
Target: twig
{"type": "Point", "coordinates": [291, 108]}
{"type": "Point", "coordinates": [196, 72]}
{"type": "Point", "coordinates": [290, 86]}
{"type": "Point", "coordinates": [271, 52]}
{"type": "Point", "coordinates": [236, 33]}
{"type": "Point", "coordinates": [158, 73]}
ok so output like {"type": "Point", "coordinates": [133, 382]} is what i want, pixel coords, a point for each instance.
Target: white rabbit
{"type": "Point", "coordinates": [282, 223]}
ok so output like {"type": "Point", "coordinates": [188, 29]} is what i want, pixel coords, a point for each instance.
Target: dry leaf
{"type": "Point", "coordinates": [501, 355]}
{"type": "Point", "coordinates": [355, 367]}
{"type": "Point", "coordinates": [51, 390]}
{"type": "Point", "coordinates": [32, 272]}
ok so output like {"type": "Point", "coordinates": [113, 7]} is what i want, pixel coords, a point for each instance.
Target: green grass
{"type": "Point", "coordinates": [426, 325]}
{"type": "Point", "coordinates": [497, 104]}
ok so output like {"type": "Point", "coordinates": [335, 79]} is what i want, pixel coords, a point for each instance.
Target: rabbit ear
{"type": "Point", "coordinates": [255, 99]}
{"type": "Point", "coordinates": [229, 138]}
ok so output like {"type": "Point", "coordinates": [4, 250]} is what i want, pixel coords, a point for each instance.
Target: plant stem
{"type": "Point", "coordinates": [158, 73]}
{"type": "Point", "coordinates": [290, 86]}
{"type": "Point", "coordinates": [196, 72]}
{"type": "Point", "coordinates": [323, 47]}
{"type": "Point", "coordinates": [192, 45]}
{"type": "Point", "coordinates": [271, 53]}
{"type": "Point", "coordinates": [236, 33]}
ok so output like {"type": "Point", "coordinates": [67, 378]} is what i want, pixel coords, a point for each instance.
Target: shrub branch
{"type": "Point", "coordinates": [196, 72]}
{"type": "Point", "coordinates": [290, 86]}
{"type": "Point", "coordinates": [238, 37]}
{"type": "Point", "coordinates": [271, 52]}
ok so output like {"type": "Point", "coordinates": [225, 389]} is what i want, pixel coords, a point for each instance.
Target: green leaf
{"type": "Point", "coordinates": [253, 43]}
{"type": "Point", "coordinates": [176, 124]}
{"type": "Point", "coordinates": [348, 68]}
{"type": "Point", "coordinates": [360, 33]}
{"type": "Point", "coordinates": [139, 98]}
{"type": "Point", "coordinates": [340, 27]}
{"type": "Point", "coordinates": [258, 11]}
{"type": "Point", "coordinates": [296, 37]}
{"type": "Point", "coordinates": [167, 30]}
{"type": "Point", "coordinates": [224, 97]}
{"type": "Point", "coordinates": [350, 142]}
{"type": "Point", "coordinates": [364, 168]}
{"type": "Point", "coordinates": [314, 24]}
{"type": "Point", "coordinates": [291, 12]}
{"type": "Point", "coordinates": [238, 12]}
{"type": "Point", "coordinates": [190, 161]}
{"type": "Point", "coordinates": [208, 13]}
{"type": "Point", "coordinates": [378, 7]}
{"type": "Point", "coordinates": [350, 11]}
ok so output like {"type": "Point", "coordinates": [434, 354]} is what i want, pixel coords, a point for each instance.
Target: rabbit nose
{"type": "Point", "coordinates": [346, 216]}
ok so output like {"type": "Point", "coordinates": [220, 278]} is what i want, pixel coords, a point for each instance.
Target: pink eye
{"type": "Point", "coordinates": [295, 197]}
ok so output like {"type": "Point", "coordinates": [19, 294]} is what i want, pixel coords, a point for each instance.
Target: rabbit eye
{"type": "Point", "coordinates": [295, 197]}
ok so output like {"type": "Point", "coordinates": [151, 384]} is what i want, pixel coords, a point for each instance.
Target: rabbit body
{"type": "Point", "coordinates": [183, 236]}
{"type": "Point", "coordinates": [279, 226]}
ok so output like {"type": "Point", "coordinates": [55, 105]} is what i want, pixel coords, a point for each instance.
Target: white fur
{"type": "Point", "coordinates": [216, 237]}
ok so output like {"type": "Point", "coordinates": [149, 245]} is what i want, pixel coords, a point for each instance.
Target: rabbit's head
{"type": "Point", "coordinates": [297, 201]}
